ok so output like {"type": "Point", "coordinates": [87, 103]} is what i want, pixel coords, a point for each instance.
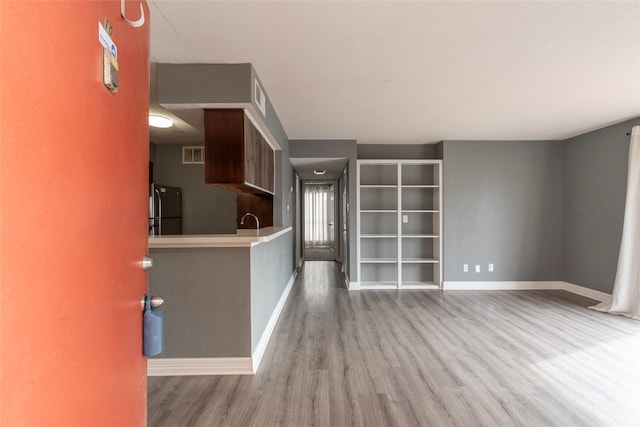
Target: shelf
{"type": "Point", "coordinates": [379, 260]}
{"type": "Point", "coordinates": [419, 285]}
{"type": "Point", "coordinates": [419, 261]}
{"type": "Point", "coordinates": [387, 191]}
{"type": "Point", "coordinates": [379, 285]}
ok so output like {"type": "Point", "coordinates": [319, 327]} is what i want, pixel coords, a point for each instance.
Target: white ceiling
{"type": "Point", "coordinates": [332, 168]}
{"type": "Point", "coordinates": [418, 72]}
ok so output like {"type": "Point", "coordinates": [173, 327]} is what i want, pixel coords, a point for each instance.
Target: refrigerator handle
{"type": "Point", "coordinates": [152, 221]}
{"type": "Point", "coordinates": [159, 212]}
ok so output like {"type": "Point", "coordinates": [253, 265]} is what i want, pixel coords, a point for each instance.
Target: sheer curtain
{"type": "Point", "coordinates": [316, 221]}
{"type": "Point", "coordinates": [626, 291]}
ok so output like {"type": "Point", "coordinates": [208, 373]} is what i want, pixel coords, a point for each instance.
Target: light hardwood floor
{"type": "Point", "coordinates": [422, 358]}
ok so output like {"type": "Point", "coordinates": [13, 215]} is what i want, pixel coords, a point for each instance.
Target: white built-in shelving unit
{"type": "Point", "coordinates": [399, 224]}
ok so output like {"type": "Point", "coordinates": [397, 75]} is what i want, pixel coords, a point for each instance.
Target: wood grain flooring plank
{"type": "Point", "coordinates": [422, 358]}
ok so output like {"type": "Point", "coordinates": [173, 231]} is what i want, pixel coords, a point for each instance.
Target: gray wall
{"type": "Point", "coordinates": [271, 268]}
{"type": "Point", "coordinates": [206, 209]}
{"type": "Point", "coordinates": [595, 182]}
{"type": "Point", "coordinates": [401, 151]}
{"type": "Point", "coordinates": [204, 83]}
{"type": "Point", "coordinates": [218, 301]}
{"type": "Point", "coordinates": [283, 200]}
{"type": "Point", "coordinates": [207, 301]}
{"type": "Point", "coordinates": [336, 149]}
{"type": "Point", "coordinates": [503, 205]}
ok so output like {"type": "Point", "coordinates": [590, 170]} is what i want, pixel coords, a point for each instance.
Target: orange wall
{"type": "Point", "coordinates": [73, 188]}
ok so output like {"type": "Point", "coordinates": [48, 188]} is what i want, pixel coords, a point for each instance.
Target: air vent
{"type": "Point", "coordinates": [193, 155]}
{"type": "Point", "coordinates": [259, 98]}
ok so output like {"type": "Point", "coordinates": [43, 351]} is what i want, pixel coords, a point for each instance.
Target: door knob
{"type": "Point", "coordinates": [156, 301]}
{"type": "Point", "coordinates": [147, 263]}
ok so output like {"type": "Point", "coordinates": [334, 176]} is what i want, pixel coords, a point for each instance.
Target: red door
{"type": "Point", "coordinates": [73, 191]}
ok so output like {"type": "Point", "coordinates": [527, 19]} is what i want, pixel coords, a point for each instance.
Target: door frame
{"type": "Point", "coordinates": [336, 205]}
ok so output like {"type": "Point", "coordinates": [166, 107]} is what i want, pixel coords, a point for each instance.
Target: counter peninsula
{"type": "Point", "coordinates": [223, 295]}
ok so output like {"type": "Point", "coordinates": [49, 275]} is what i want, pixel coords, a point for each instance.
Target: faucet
{"type": "Point", "coordinates": [255, 217]}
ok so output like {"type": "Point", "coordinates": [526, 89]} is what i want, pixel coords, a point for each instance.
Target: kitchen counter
{"type": "Point", "coordinates": [242, 238]}
{"type": "Point", "coordinates": [223, 294]}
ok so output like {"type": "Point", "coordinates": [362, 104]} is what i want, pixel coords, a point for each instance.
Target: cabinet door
{"type": "Point", "coordinates": [267, 168]}
{"type": "Point", "coordinates": [236, 154]}
{"type": "Point", "coordinates": [258, 159]}
{"type": "Point", "coordinates": [224, 154]}
{"type": "Point", "coordinates": [252, 155]}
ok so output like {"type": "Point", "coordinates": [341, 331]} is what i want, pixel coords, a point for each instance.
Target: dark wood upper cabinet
{"type": "Point", "coordinates": [236, 154]}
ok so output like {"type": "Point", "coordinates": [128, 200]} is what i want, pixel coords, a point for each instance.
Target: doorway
{"type": "Point", "coordinates": [319, 221]}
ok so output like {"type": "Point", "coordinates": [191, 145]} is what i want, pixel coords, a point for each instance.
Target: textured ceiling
{"type": "Point", "coordinates": [417, 72]}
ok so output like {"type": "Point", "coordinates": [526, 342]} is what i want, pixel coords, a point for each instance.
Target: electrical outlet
{"type": "Point", "coordinates": [477, 268]}
{"type": "Point", "coordinates": [490, 269]}
{"type": "Point", "coordinates": [405, 219]}
{"type": "Point", "coordinates": [465, 268]}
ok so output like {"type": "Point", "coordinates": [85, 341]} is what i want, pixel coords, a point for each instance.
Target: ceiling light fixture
{"type": "Point", "coordinates": [160, 121]}
{"type": "Point", "coordinates": [319, 172]}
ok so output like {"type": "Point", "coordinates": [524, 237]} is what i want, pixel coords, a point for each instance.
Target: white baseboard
{"type": "Point", "coordinates": [256, 357]}
{"type": "Point", "coordinates": [199, 366]}
{"type": "Point", "coordinates": [353, 286]}
{"type": "Point", "coordinates": [524, 285]}
{"type": "Point", "coordinates": [504, 286]}
{"type": "Point", "coordinates": [586, 292]}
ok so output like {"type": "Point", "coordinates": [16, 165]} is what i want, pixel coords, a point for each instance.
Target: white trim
{"type": "Point", "coordinates": [199, 366]}
{"type": "Point", "coordinates": [506, 285]}
{"type": "Point", "coordinates": [585, 292]}
{"type": "Point", "coordinates": [355, 286]}
{"type": "Point", "coordinates": [378, 286]}
{"type": "Point", "coordinates": [550, 285]}
{"type": "Point", "coordinates": [248, 184]}
{"type": "Point", "coordinates": [256, 357]}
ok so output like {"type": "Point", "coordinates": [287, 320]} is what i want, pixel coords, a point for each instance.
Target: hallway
{"type": "Point", "coordinates": [428, 358]}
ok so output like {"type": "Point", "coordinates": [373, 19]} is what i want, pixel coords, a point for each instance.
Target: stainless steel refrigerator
{"type": "Point", "coordinates": [165, 210]}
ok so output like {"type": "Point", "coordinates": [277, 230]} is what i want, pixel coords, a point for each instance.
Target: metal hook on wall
{"type": "Point", "coordinates": [136, 24]}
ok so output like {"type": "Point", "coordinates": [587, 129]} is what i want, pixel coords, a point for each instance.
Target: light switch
{"type": "Point", "coordinates": [477, 268]}
{"type": "Point", "coordinates": [465, 268]}
{"type": "Point", "coordinates": [405, 219]}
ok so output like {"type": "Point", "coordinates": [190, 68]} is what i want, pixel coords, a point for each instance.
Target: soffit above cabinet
{"type": "Point", "coordinates": [218, 86]}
